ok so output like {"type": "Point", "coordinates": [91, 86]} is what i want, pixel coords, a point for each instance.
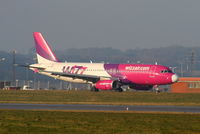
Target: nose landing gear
{"type": "Point", "coordinates": [156, 89]}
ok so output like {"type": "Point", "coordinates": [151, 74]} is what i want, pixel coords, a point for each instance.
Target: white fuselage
{"type": "Point", "coordinates": [91, 69]}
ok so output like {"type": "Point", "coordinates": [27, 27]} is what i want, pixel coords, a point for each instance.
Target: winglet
{"type": "Point", "coordinates": [44, 51]}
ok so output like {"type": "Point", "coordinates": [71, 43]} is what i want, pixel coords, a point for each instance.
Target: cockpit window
{"type": "Point", "coordinates": [166, 71]}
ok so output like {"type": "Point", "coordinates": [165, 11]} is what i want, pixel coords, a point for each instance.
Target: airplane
{"type": "Point", "coordinates": [101, 76]}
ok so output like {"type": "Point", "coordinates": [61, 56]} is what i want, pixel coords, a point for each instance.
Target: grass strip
{"type": "Point", "coordinates": [61, 122]}
{"type": "Point", "coordinates": [88, 97]}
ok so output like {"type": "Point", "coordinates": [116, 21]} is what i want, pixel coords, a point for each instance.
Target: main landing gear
{"type": "Point", "coordinates": [119, 89]}
{"type": "Point", "coordinates": [94, 89]}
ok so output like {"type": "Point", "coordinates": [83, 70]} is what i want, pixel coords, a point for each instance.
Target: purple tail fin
{"type": "Point", "coordinates": [44, 51]}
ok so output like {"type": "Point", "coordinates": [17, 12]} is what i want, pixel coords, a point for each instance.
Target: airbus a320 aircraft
{"type": "Point", "coordinates": [100, 76]}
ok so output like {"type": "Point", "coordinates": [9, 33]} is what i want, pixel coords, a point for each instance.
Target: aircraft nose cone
{"type": "Point", "coordinates": [175, 78]}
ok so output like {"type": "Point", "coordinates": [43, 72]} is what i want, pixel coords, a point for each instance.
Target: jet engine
{"type": "Point", "coordinates": [106, 84]}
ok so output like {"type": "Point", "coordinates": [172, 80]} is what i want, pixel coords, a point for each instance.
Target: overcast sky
{"type": "Point", "coordinates": [121, 24]}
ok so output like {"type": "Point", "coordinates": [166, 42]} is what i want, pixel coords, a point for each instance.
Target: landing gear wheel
{"type": "Point", "coordinates": [156, 89]}
{"type": "Point", "coordinates": [119, 89]}
{"type": "Point", "coordinates": [94, 89]}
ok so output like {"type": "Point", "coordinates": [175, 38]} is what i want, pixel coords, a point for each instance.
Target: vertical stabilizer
{"type": "Point", "coordinates": [44, 51]}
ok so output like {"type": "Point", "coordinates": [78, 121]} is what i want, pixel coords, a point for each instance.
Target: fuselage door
{"type": "Point", "coordinates": [152, 72]}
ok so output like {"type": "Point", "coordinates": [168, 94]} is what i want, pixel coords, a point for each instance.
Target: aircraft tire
{"type": "Point", "coordinates": [94, 89]}
{"type": "Point", "coordinates": [119, 89]}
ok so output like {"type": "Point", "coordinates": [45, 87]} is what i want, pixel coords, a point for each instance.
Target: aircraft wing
{"type": "Point", "coordinates": [77, 76]}
{"type": "Point", "coordinates": [91, 78]}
